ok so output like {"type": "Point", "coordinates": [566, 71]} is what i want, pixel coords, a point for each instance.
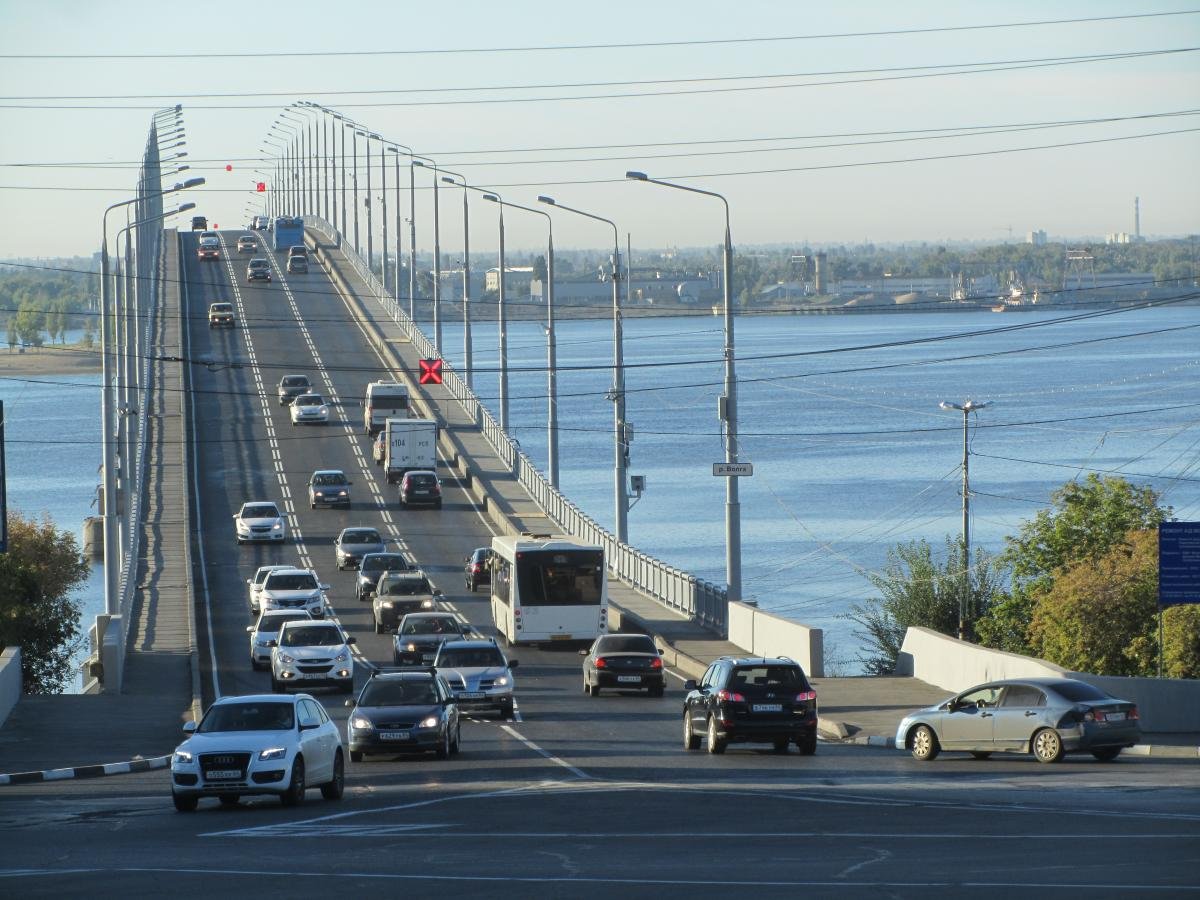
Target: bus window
{"type": "Point", "coordinates": [566, 579]}
{"type": "Point", "coordinates": [501, 577]}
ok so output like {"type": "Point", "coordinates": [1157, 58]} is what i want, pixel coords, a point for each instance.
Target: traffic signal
{"type": "Point", "coordinates": [261, 187]}
{"type": "Point", "coordinates": [228, 167]}
{"type": "Point", "coordinates": [431, 371]}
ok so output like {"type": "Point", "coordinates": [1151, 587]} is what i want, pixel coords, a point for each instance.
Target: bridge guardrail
{"type": "Point", "coordinates": [702, 601]}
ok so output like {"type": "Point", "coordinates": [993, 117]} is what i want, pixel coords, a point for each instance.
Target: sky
{"type": "Point", "coordinates": [743, 99]}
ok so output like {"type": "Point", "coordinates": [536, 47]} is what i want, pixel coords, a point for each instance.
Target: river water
{"type": "Point", "coordinates": [838, 414]}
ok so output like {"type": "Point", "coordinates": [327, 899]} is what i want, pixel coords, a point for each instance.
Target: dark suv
{"type": "Point", "coordinates": [420, 487]}
{"type": "Point", "coordinates": [751, 701]}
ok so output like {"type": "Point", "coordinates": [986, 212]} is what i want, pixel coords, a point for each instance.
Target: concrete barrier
{"type": "Point", "coordinates": [767, 634]}
{"type": "Point", "coordinates": [1165, 705]}
{"type": "Point", "coordinates": [10, 681]}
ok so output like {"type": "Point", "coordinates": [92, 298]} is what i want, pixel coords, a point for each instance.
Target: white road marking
{"type": "Point", "coordinates": [578, 773]}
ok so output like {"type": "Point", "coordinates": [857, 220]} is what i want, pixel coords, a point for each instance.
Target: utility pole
{"type": "Point", "coordinates": [966, 409]}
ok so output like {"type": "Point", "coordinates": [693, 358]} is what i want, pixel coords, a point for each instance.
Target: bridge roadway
{"type": "Point", "coordinates": [576, 796]}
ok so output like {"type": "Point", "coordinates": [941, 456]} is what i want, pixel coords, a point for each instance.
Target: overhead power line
{"type": "Point", "coordinates": [534, 48]}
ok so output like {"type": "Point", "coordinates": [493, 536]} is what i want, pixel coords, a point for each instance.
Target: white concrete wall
{"type": "Point", "coordinates": [765, 634]}
{"type": "Point", "coordinates": [10, 681]}
{"type": "Point", "coordinates": [1164, 705]}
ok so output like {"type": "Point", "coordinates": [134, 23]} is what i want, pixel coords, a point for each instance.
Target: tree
{"type": "Point", "coordinates": [1181, 642]}
{"type": "Point", "coordinates": [1085, 520]}
{"type": "Point", "coordinates": [917, 591]}
{"type": "Point", "coordinates": [539, 268]}
{"type": "Point", "coordinates": [37, 613]}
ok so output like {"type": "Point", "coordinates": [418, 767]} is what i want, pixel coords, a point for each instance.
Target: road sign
{"type": "Point", "coordinates": [261, 187]}
{"type": "Point", "coordinates": [733, 469]}
{"type": "Point", "coordinates": [1178, 563]}
{"type": "Point", "coordinates": [431, 371]}
{"type": "Point", "coordinates": [3, 491]}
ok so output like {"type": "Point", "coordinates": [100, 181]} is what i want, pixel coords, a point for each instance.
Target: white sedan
{"type": "Point", "coordinates": [258, 744]}
{"type": "Point", "coordinates": [308, 408]}
{"type": "Point", "coordinates": [255, 585]}
{"type": "Point", "coordinates": [259, 520]}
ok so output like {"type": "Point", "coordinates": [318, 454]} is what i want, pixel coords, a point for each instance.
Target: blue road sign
{"type": "Point", "coordinates": [1178, 563]}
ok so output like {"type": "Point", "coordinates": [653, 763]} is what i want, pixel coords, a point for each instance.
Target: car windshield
{"type": "Point", "coordinates": [295, 381]}
{"type": "Point", "coordinates": [291, 581]}
{"type": "Point", "coordinates": [260, 511]}
{"type": "Point", "coordinates": [269, 624]}
{"type": "Point", "coordinates": [361, 537]}
{"type": "Point", "coordinates": [222, 307]}
{"type": "Point", "coordinates": [623, 643]}
{"type": "Point", "coordinates": [1080, 691]}
{"type": "Point", "coordinates": [328, 478]}
{"type": "Point", "coordinates": [406, 587]}
{"type": "Point", "coordinates": [433, 625]}
{"type": "Point", "coordinates": [470, 658]}
{"type": "Point", "coordinates": [398, 693]}
{"type": "Point", "coordinates": [259, 264]}
{"type": "Point", "coordinates": [258, 716]}
{"type": "Point", "coordinates": [311, 636]}
{"type": "Point", "coordinates": [421, 480]}
{"type": "Point", "coordinates": [309, 400]}
{"type": "Point", "coordinates": [379, 562]}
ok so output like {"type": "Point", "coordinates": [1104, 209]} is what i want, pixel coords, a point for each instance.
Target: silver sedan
{"type": "Point", "coordinates": [1043, 716]}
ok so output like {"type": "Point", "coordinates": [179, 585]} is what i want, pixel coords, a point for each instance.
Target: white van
{"type": "Point", "coordinates": [385, 400]}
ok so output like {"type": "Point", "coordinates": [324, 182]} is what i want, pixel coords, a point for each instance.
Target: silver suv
{"type": "Point", "coordinates": [293, 589]}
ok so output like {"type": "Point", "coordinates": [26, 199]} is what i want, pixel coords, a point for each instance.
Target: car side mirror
{"type": "Point", "coordinates": [584, 652]}
{"type": "Point", "coordinates": [513, 663]}
{"type": "Point", "coordinates": [189, 727]}
{"type": "Point", "coordinates": [661, 651]}
{"type": "Point", "coordinates": [249, 629]}
{"type": "Point", "coordinates": [272, 643]}
{"type": "Point", "coordinates": [690, 684]}
{"type": "Point", "coordinates": [352, 640]}
{"type": "Point", "coordinates": [349, 704]}
{"type": "Point", "coordinates": [323, 587]}
{"type": "Point", "coordinates": [309, 726]}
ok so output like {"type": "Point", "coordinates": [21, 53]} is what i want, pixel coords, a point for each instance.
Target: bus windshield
{"type": "Point", "coordinates": [560, 577]}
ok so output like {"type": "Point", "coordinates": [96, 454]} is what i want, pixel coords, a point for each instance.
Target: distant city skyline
{"type": "Point", "coordinates": [825, 126]}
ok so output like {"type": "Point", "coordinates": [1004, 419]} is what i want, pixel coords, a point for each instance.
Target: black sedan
{"type": "Point", "coordinates": [404, 712]}
{"type": "Point", "coordinates": [477, 570]}
{"type": "Point", "coordinates": [420, 634]}
{"type": "Point", "coordinates": [626, 662]}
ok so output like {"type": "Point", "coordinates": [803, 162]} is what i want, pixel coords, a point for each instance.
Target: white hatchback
{"type": "Point", "coordinates": [266, 631]}
{"type": "Point", "coordinates": [259, 520]}
{"type": "Point", "coordinates": [255, 584]}
{"type": "Point", "coordinates": [258, 744]}
{"type": "Point", "coordinates": [309, 408]}
{"type": "Point", "coordinates": [312, 654]}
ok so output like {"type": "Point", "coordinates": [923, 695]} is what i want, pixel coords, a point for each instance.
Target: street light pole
{"type": "Point", "coordinates": [366, 136]}
{"type": "Point", "coordinates": [468, 363]}
{"type": "Point", "coordinates": [412, 225]}
{"type": "Point", "coordinates": [437, 256]}
{"type": "Point", "coordinates": [963, 613]}
{"type": "Point", "coordinates": [728, 405]}
{"type": "Point", "coordinates": [617, 394]}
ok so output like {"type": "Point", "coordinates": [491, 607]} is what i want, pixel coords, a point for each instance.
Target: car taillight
{"type": "Point", "coordinates": [1133, 713]}
{"type": "Point", "coordinates": [601, 663]}
{"type": "Point", "coordinates": [730, 697]}
{"type": "Point", "coordinates": [805, 696]}
{"type": "Point", "coordinates": [656, 663]}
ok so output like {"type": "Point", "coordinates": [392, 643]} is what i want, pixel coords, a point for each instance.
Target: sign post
{"type": "Point", "coordinates": [733, 470]}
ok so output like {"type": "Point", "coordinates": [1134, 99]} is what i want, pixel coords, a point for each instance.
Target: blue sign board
{"type": "Point", "coordinates": [3, 482]}
{"type": "Point", "coordinates": [1178, 563]}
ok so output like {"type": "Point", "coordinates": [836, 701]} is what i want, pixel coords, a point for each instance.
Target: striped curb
{"type": "Point", "coordinates": [121, 768]}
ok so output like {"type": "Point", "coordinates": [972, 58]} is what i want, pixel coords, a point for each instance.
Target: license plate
{"type": "Point", "coordinates": [215, 774]}
{"type": "Point", "coordinates": [313, 675]}
{"type": "Point", "coordinates": [427, 657]}
{"type": "Point", "coordinates": [768, 707]}
{"type": "Point", "coordinates": [1115, 717]}
{"type": "Point", "coordinates": [632, 679]}
{"type": "Point", "coordinates": [394, 735]}
{"type": "Point", "coordinates": [471, 695]}
{"type": "Point", "coordinates": [560, 637]}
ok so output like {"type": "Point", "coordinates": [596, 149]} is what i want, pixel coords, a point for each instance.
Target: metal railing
{"type": "Point", "coordinates": [702, 601]}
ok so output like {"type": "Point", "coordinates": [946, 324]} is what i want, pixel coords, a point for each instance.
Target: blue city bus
{"type": "Point", "coordinates": [289, 232]}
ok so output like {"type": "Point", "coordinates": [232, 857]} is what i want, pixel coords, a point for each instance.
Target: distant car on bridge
{"type": "Point", "coordinates": [259, 520]}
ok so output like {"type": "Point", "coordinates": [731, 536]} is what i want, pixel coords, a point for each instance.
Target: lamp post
{"type": "Point", "coordinates": [412, 224]}
{"type": "Point", "coordinates": [468, 361]}
{"type": "Point", "coordinates": [728, 405]}
{"type": "Point", "coordinates": [366, 136]}
{"type": "Point", "coordinates": [354, 150]}
{"type": "Point", "coordinates": [617, 394]}
{"type": "Point", "coordinates": [966, 409]}
{"type": "Point", "coordinates": [111, 539]}
{"type": "Point", "coordinates": [425, 162]}
{"type": "Point", "coordinates": [551, 344]}
{"type": "Point", "coordinates": [399, 256]}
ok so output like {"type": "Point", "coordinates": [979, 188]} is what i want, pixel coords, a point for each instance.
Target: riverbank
{"type": "Point", "coordinates": [57, 359]}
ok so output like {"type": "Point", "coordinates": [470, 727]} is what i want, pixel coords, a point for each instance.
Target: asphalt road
{"type": "Point", "coordinates": [575, 796]}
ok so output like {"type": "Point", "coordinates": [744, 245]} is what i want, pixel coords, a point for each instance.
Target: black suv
{"type": "Point", "coordinates": [751, 701]}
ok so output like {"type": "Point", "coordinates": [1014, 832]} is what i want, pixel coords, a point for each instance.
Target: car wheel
{"type": "Point", "coordinates": [443, 750]}
{"type": "Point", "coordinates": [294, 795]}
{"type": "Point", "coordinates": [924, 744]}
{"type": "Point", "coordinates": [378, 627]}
{"type": "Point", "coordinates": [716, 744]}
{"type": "Point", "coordinates": [438, 505]}
{"type": "Point", "coordinates": [781, 745]}
{"type": "Point", "coordinates": [807, 745]}
{"type": "Point", "coordinates": [595, 690]}
{"type": "Point", "coordinates": [1108, 754]}
{"type": "Point", "coordinates": [981, 754]}
{"type": "Point", "coordinates": [255, 665]}
{"type": "Point", "coordinates": [506, 711]}
{"type": "Point", "coordinates": [587, 688]}
{"type": "Point", "coordinates": [337, 785]}
{"type": "Point", "coordinates": [229, 799]}
{"type": "Point", "coordinates": [184, 802]}
{"type": "Point", "coordinates": [657, 691]}
{"type": "Point", "coordinates": [276, 687]}
{"type": "Point", "coordinates": [456, 748]}
{"type": "Point", "coordinates": [471, 586]}
{"type": "Point", "coordinates": [1047, 746]}
{"type": "Point", "coordinates": [691, 740]}
{"type": "Point", "coordinates": [356, 756]}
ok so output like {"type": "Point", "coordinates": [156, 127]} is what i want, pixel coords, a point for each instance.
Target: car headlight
{"type": "Point", "coordinates": [502, 681]}
{"type": "Point", "coordinates": [342, 493]}
{"type": "Point", "coordinates": [428, 722]}
{"type": "Point", "coordinates": [181, 757]}
{"type": "Point", "coordinates": [285, 659]}
{"type": "Point", "coordinates": [342, 657]}
{"type": "Point", "coordinates": [362, 723]}
{"type": "Point", "coordinates": [387, 604]}
{"type": "Point", "coordinates": [272, 753]}
{"type": "Point", "coordinates": [427, 604]}
{"type": "Point", "coordinates": [410, 647]}
{"type": "Point", "coordinates": [278, 526]}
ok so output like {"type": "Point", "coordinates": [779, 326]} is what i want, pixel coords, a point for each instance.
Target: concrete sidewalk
{"type": "Point", "coordinates": [56, 731]}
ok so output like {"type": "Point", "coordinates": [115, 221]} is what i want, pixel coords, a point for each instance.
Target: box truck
{"type": "Point", "coordinates": [409, 444]}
